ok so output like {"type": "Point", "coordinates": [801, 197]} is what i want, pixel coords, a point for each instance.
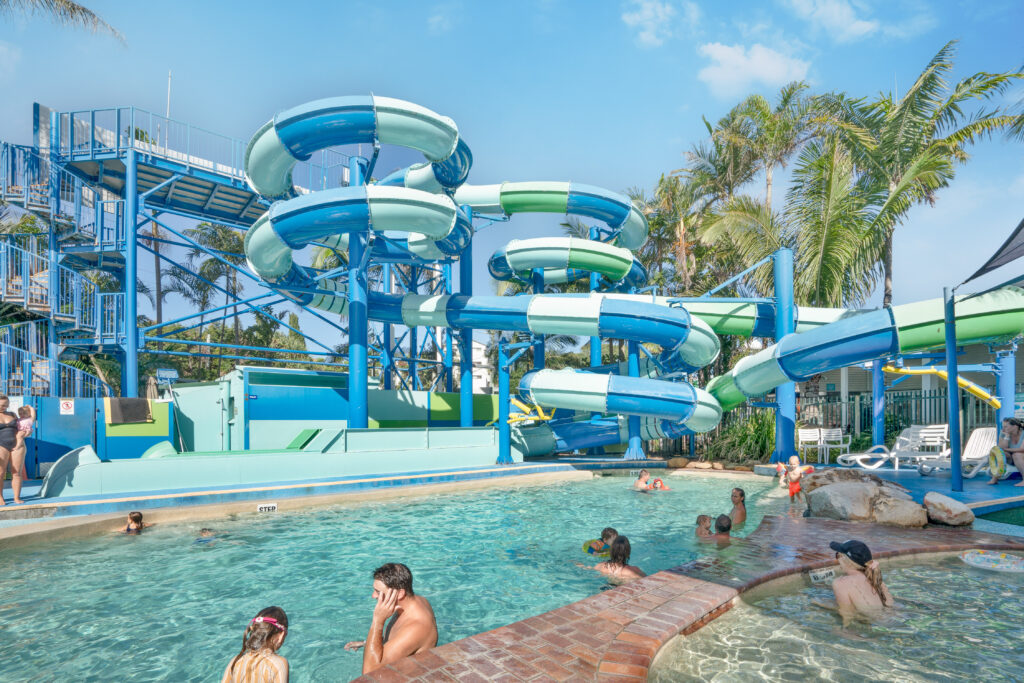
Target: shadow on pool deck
{"type": "Point", "coordinates": [615, 635]}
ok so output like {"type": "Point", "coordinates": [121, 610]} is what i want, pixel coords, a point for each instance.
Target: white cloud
{"type": "Point", "coordinates": [914, 25]}
{"type": "Point", "coordinates": [1017, 186]}
{"type": "Point", "coordinates": [734, 69]}
{"type": "Point", "coordinates": [837, 17]}
{"type": "Point", "coordinates": [655, 21]}
{"type": "Point", "coordinates": [441, 19]}
{"type": "Point", "coordinates": [10, 55]}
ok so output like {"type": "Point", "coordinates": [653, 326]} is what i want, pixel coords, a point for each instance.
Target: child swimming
{"type": "Point", "coordinates": [602, 546]}
{"type": "Point", "coordinates": [659, 485]}
{"type": "Point", "coordinates": [135, 524]}
{"type": "Point", "coordinates": [703, 526]}
{"type": "Point", "coordinates": [258, 660]}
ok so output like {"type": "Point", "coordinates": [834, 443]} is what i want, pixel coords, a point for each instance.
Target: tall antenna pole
{"type": "Point", "coordinates": [168, 93]}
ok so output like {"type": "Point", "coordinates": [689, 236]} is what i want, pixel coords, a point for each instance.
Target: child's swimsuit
{"type": "Point", "coordinates": [25, 425]}
{"type": "Point", "coordinates": [794, 488]}
{"type": "Point", "coordinates": [129, 530]}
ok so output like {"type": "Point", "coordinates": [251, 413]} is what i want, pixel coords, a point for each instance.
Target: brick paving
{"type": "Point", "coordinates": [614, 636]}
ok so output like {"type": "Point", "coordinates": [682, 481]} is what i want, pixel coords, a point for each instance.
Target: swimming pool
{"type": "Point", "coordinates": [953, 623]}
{"type": "Point", "coordinates": [162, 607]}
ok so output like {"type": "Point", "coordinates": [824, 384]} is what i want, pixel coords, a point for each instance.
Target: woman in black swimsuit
{"type": "Point", "coordinates": [8, 439]}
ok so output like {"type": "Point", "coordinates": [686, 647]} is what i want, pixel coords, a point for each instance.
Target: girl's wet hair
{"type": "Point", "coordinates": [608, 534]}
{"type": "Point", "coordinates": [743, 494]}
{"type": "Point", "coordinates": [269, 622]}
{"type": "Point", "coordinates": [620, 551]}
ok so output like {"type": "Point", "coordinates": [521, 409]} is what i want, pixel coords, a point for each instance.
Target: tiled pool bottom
{"type": "Point", "coordinates": [952, 622]}
{"type": "Point", "coordinates": [71, 610]}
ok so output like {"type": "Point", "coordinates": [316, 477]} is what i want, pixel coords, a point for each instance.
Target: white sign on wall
{"type": "Point", "coordinates": [67, 406]}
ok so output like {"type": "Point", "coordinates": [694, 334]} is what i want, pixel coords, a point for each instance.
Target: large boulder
{"type": "Point", "coordinates": [897, 512]}
{"type": "Point", "coordinates": [677, 463]}
{"type": "Point", "coordinates": [865, 501]}
{"type": "Point", "coordinates": [944, 510]}
{"type": "Point", "coordinates": [699, 465]}
{"type": "Point", "coordinates": [835, 475]}
{"type": "Point", "coordinates": [849, 501]}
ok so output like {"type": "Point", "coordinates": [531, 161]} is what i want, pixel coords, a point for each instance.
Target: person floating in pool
{"type": "Point", "coordinates": [642, 482]}
{"type": "Point", "coordinates": [258, 660]}
{"type": "Point", "coordinates": [135, 524]}
{"type": "Point", "coordinates": [862, 590]}
{"type": "Point", "coordinates": [617, 566]}
{"type": "Point", "coordinates": [603, 545]}
{"type": "Point", "coordinates": [1010, 447]}
{"type": "Point", "coordinates": [413, 627]}
{"type": "Point", "coordinates": [206, 536]}
{"type": "Point", "coordinates": [659, 485]}
{"type": "Point", "coordinates": [703, 526]}
{"type": "Point", "coordinates": [723, 531]}
{"type": "Point", "coordinates": [739, 507]}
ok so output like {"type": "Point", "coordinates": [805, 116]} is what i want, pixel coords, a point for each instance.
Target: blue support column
{"type": "Point", "coordinates": [635, 450]}
{"type": "Point", "coordinates": [504, 429]}
{"type": "Point", "coordinates": [130, 366]}
{"type": "Point", "coordinates": [358, 412]}
{"type": "Point", "coordinates": [595, 341]}
{"type": "Point", "coordinates": [785, 394]}
{"type": "Point", "coordinates": [414, 334]}
{"type": "Point", "coordinates": [877, 404]}
{"type": "Point", "coordinates": [538, 339]}
{"type": "Point", "coordinates": [387, 360]}
{"type": "Point", "coordinates": [446, 337]}
{"type": "Point", "coordinates": [466, 335]}
{"type": "Point", "coordinates": [953, 391]}
{"type": "Point", "coordinates": [1006, 384]}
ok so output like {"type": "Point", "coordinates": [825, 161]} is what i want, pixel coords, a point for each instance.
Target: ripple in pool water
{"type": "Point", "coordinates": [162, 607]}
{"type": "Point", "coordinates": [952, 623]}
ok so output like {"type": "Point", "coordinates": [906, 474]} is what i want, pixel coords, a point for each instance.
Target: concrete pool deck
{"type": "Point", "coordinates": [615, 635]}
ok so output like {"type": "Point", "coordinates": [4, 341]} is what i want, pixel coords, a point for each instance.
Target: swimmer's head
{"type": "Point", "coordinates": [608, 535]}
{"type": "Point", "coordinates": [794, 461]}
{"type": "Point", "coordinates": [206, 532]}
{"type": "Point", "coordinates": [658, 484]}
{"type": "Point", "coordinates": [704, 521]}
{"type": "Point", "coordinates": [135, 521]}
{"type": "Point", "coordinates": [723, 524]}
{"type": "Point", "coordinates": [644, 474]}
{"type": "Point", "coordinates": [739, 496]}
{"type": "Point", "coordinates": [620, 551]}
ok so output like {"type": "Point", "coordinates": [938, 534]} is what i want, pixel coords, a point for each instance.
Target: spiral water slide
{"type": "Point", "coordinates": [423, 201]}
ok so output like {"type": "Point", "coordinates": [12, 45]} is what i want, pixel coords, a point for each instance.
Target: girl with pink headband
{"type": "Point", "coordinates": [258, 661]}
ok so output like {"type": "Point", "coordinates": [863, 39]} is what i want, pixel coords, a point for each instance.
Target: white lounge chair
{"type": "Point", "coordinates": [834, 440]}
{"type": "Point", "coordinates": [974, 458]}
{"type": "Point", "coordinates": [916, 444]}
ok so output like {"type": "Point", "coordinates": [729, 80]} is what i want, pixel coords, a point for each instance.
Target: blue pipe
{"type": "Point", "coordinates": [538, 343]}
{"type": "Point", "coordinates": [953, 390]}
{"type": "Point", "coordinates": [358, 411]}
{"type": "Point", "coordinates": [466, 334]}
{"type": "Point", "coordinates": [635, 449]}
{"type": "Point", "coordinates": [130, 373]}
{"type": "Point", "coordinates": [785, 324]}
{"type": "Point", "coordinates": [877, 403]}
{"type": "Point", "coordinates": [1006, 384]}
{"type": "Point", "coordinates": [504, 430]}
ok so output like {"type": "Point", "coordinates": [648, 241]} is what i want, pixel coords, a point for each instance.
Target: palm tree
{"type": "Point", "coordinates": [772, 134]}
{"type": "Point", "coordinates": [63, 12]}
{"type": "Point", "coordinates": [227, 244]}
{"type": "Point", "coordinates": [909, 146]}
{"type": "Point", "coordinates": [196, 292]}
{"type": "Point", "coordinates": [753, 230]}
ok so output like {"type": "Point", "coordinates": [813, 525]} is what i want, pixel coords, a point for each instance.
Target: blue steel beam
{"type": "Point", "coordinates": [262, 359]}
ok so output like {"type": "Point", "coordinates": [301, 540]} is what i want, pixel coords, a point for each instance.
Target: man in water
{"type": "Point", "coordinates": [641, 483]}
{"type": "Point", "coordinates": [412, 629]}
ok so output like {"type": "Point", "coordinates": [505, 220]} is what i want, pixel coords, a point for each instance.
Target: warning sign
{"type": "Point", "coordinates": [67, 406]}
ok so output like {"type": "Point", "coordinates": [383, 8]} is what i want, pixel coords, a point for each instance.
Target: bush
{"type": "Point", "coordinates": [751, 438]}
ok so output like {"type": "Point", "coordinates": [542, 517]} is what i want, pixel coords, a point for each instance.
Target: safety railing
{"type": "Point", "coordinates": [30, 280]}
{"type": "Point", "coordinates": [31, 181]}
{"type": "Point", "coordinates": [110, 132]}
{"type": "Point", "coordinates": [32, 336]}
{"type": "Point", "coordinates": [23, 373]}
{"type": "Point", "coordinates": [111, 315]}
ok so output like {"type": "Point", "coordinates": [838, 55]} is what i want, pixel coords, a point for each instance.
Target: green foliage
{"type": "Point", "coordinates": [748, 438]}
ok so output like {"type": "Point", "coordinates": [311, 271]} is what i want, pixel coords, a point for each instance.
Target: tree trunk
{"type": "Point", "coordinates": [768, 171]}
{"type": "Point", "coordinates": [887, 266]}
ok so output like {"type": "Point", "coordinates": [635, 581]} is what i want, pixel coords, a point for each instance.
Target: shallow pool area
{"type": "Point", "coordinates": [162, 606]}
{"type": "Point", "coordinates": [952, 622]}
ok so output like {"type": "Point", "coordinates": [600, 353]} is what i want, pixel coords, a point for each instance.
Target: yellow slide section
{"type": "Point", "coordinates": [965, 384]}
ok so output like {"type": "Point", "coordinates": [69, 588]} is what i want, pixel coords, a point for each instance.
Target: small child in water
{"type": "Point", "coordinates": [791, 477]}
{"type": "Point", "coordinates": [659, 485]}
{"type": "Point", "coordinates": [135, 524]}
{"type": "Point", "coordinates": [703, 526]}
{"type": "Point", "coordinates": [608, 536]}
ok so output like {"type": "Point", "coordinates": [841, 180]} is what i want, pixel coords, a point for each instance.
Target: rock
{"type": "Point", "coordinates": [743, 468]}
{"type": "Point", "coordinates": [944, 510]}
{"type": "Point", "coordinates": [846, 501]}
{"type": "Point", "coordinates": [834, 475]}
{"type": "Point", "coordinates": [677, 463]}
{"type": "Point", "coordinates": [717, 466]}
{"type": "Point", "coordinates": [699, 466]}
{"type": "Point", "coordinates": [764, 470]}
{"type": "Point", "coordinates": [898, 512]}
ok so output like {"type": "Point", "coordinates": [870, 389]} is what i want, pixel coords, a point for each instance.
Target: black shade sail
{"type": "Point", "coordinates": [1012, 249]}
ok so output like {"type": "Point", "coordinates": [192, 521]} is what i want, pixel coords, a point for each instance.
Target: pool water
{"type": "Point", "coordinates": [161, 606]}
{"type": "Point", "coordinates": [952, 623]}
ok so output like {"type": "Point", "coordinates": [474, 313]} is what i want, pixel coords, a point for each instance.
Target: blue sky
{"type": "Point", "coordinates": [606, 93]}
